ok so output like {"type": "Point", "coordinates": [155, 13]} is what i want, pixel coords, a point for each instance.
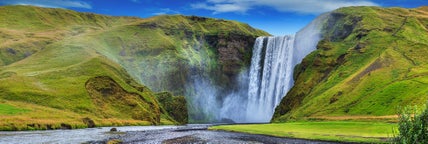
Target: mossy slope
{"type": "Point", "coordinates": [164, 51]}
{"type": "Point", "coordinates": [370, 62]}
{"type": "Point", "coordinates": [60, 66]}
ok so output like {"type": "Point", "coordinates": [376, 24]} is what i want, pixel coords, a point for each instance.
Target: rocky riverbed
{"type": "Point", "coordinates": [199, 134]}
{"type": "Point", "coordinates": [194, 133]}
{"type": "Point", "coordinates": [74, 136]}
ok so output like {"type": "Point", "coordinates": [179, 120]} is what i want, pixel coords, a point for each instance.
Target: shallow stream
{"type": "Point", "coordinates": [194, 133]}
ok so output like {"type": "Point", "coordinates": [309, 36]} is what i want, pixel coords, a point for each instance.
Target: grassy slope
{"type": "Point", "coordinates": [49, 77]}
{"type": "Point", "coordinates": [47, 63]}
{"type": "Point", "coordinates": [341, 131]}
{"type": "Point", "coordinates": [160, 51]}
{"type": "Point", "coordinates": [163, 52]}
{"type": "Point", "coordinates": [51, 60]}
{"type": "Point", "coordinates": [371, 62]}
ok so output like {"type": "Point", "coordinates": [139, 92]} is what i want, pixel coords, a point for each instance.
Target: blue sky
{"type": "Point", "coordinates": [278, 17]}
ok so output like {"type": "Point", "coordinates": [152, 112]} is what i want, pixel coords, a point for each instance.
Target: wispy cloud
{"type": "Point", "coordinates": [222, 7]}
{"type": "Point", "coordinates": [49, 3]}
{"type": "Point", "coordinates": [166, 11]}
{"type": "Point", "coordinates": [299, 6]}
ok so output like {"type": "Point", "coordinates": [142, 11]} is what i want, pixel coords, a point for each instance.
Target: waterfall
{"type": "Point", "coordinates": [261, 87]}
{"type": "Point", "coordinates": [270, 76]}
{"type": "Point", "coordinates": [272, 67]}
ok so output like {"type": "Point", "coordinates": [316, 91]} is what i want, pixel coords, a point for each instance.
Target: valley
{"type": "Point", "coordinates": [345, 77]}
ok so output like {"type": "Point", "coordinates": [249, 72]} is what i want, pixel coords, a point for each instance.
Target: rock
{"type": "Point", "coordinates": [89, 122]}
{"type": "Point", "coordinates": [113, 130]}
{"type": "Point", "coordinates": [11, 51]}
{"type": "Point", "coordinates": [49, 127]}
{"type": "Point", "coordinates": [65, 126]}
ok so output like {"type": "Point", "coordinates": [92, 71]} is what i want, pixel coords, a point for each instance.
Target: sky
{"type": "Point", "coordinates": [278, 17]}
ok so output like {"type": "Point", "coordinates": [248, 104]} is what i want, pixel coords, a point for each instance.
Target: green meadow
{"type": "Point", "coordinates": [337, 131]}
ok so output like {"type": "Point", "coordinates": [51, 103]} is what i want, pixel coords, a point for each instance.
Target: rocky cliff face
{"type": "Point", "coordinates": [371, 61]}
{"type": "Point", "coordinates": [233, 54]}
{"type": "Point", "coordinates": [182, 46]}
{"type": "Point", "coordinates": [200, 58]}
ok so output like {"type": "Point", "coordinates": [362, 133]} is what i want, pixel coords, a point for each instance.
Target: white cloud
{"type": "Point", "coordinates": [50, 3]}
{"type": "Point", "coordinates": [299, 6]}
{"type": "Point", "coordinates": [222, 7]}
{"type": "Point", "coordinates": [166, 11]}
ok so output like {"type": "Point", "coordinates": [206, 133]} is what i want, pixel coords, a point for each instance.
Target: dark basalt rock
{"type": "Point", "coordinates": [196, 18]}
{"type": "Point", "coordinates": [11, 51]}
{"type": "Point", "coordinates": [65, 126]}
{"type": "Point", "coordinates": [348, 23]}
{"type": "Point", "coordinates": [89, 122]}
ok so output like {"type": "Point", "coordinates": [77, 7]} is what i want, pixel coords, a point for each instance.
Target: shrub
{"type": "Point", "coordinates": [175, 106]}
{"type": "Point", "coordinates": [413, 126]}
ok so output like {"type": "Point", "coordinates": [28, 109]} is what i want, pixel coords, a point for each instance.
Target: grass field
{"type": "Point", "coordinates": [341, 131]}
{"type": "Point", "coordinates": [6, 109]}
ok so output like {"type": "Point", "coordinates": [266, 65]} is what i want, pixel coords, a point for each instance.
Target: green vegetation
{"type": "Point", "coordinates": [161, 51]}
{"type": "Point", "coordinates": [176, 106]}
{"type": "Point", "coordinates": [114, 141]}
{"type": "Point", "coordinates": [370, 62]}
{"type": "Point", "coordinates": [413, 126]}
{"type": "Point", "coordinates": [52, 70]}
{"type": "Point", "coordinates": [6, 109]}
{"type": "Point", "coordinates": [341, 131]}
{"type": "Point", "coordinates": [59, 67]}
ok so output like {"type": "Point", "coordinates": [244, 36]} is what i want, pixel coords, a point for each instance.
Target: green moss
{"type": "Point", "coordinates": [175, 106]}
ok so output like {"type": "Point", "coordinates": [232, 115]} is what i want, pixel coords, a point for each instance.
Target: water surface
{"type": "Point", "coordinates": [70, 136]}
{"type": "Point", "coordinates": [194, 133]}
{"type": "Point", "coordinates": [199, 134]}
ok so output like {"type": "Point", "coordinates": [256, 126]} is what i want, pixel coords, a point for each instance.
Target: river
{"type": "Point", "coordinates": [140, 134]}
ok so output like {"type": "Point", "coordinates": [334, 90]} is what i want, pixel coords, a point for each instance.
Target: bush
{"type": "Point", "coordinates": [413, 126]}
{"type": "Point", "coordinates": [175, 106]}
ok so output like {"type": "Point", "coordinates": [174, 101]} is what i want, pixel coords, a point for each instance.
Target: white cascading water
{"type": "Point", "coordinates": [261, 89]}
{"type": "Point", "coordinates": [272, 67]}
{"type": "Point", "coordinates": [270, 78]}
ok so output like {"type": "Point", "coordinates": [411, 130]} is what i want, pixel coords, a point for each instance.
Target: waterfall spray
{"type": "Point", "coordinates": [266, 82]}
{"type": "Point", "coordinates": [272, 67]}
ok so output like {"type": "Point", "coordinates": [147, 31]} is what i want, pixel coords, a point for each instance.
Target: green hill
{"type": "Point", "coordinates": [59, 67]}
{"type": "Point", "coordinates": [371, 62]}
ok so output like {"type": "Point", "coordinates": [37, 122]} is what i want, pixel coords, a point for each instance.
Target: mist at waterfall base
{"type": "Point", "coordinates": [260, 87]}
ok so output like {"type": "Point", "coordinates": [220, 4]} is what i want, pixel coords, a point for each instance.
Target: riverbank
{"type": "Point", "coordinates": [339, 131]}
{"type": "Point", "coordinates": [20, 116]}
{"type": "Point", "coordinates": [293, 132]}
